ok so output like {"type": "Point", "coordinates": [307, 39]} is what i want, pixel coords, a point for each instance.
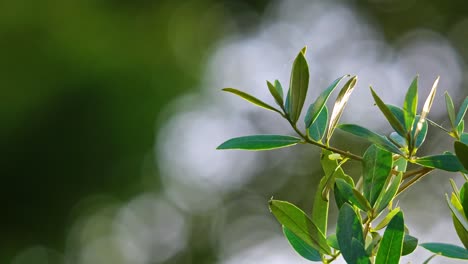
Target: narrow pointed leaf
{"type": "Point", "coordinates": [461, 231]}
{"type": "Point", "coordinates": [320, 208]}
{"type": "Point", "coordinates": [447, 162]}
{"type": "Point", "coordinates": [457, 212]}
{"type": "Point", "coordinates": [377, 164]}
{"type": "Point", "coordinates": [389, 193]}
{"type": "Point", "coordinates": [391, 246]}
{"type": "Point", "coordinates": [340, 103]}
{"type": "Point", "coordinates": [462, 153]}
{"type": "Point", "coordinates": [348, 228]}
{"type": "Point", "coordinates": [464, 198]}
{"type": "Point", "coordinates": [352, 195]}
{"type": "Point", "coordinates": [462, 111]}
{"type": "Point", "coordinates": [410, 243]}
{"type": "Point", "coordinates": [421, 136]}
{"type": "Point", "coordinates": [464, 138]}
{"type": "Point", "coordinates": [300, 224]}
{"type": "Point", "coordinates": [387, 218]}
{"type": "Point", "coordinates": [427, 107]}
{"type": "Point", "coordinates": [461, 127]}
{"type": "Point", "coordinates": [298, 86]}
{"type": "Point", "coordinates": [450, 109]}
{"type": "Point", "coordinates": [411, 104]}
{"type": "Point", "coordinates": [316, 107]}
{"type": "Point", "coordinates": [251, 99]}
{"type": "Point", "coordinates": [398, 140]}
{"type": "Point", "coordinates": [397, 112]}
{"type": "Point", "coordinates": [316, 131]}
{"type": "Point", "coordinates": [333, 241]}
{"type": "Point", "coordinates": [394, 122]}
{"type": "Point", "coordinates": [373, 137]}
{"type": "Point", "coordinates": [260, 142]}
{"type": "Point", "coordinates": [446, 250]}
{"type": "Point", "coordinates": [276, 93]}
{"type": "Point", "coordinates": [301, 247]}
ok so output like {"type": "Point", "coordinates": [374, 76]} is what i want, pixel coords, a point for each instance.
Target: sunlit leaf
{"type": "Point", "coordinates": [457, 210]}
{"type": "Point", "coordinates": [377, 164]}
{"type": "Point", "coordinates": [333, 241]}
{"type": "Point", "coordinates": [391, 245]}
{"type": "Point", "coordinates": [316, 107]}
{"type": "Point", "coordinates": [447, 162]}
{"type": "Point", "coordinates": [320, 208]}
{"type": "Point", "coordinates": [276, 92]}
{"type": "Point", "coordinates": [446, 250]}
{"type": "Point", "coordinates": [332, 170]}
{"type": "Point", "coordinates": [340, 103]}
{"type": "Point", "coordinates": [462, 153]}
{"type": "Point", "coordinates": [400, 164]}
{"type": "Point", "coordinates": [300, 224]}
{"type": "Point", "coordinates": [387, 218]}
{"type": "Point", "coordinates": [462, 111]}
{"type": "Point", "coordinates": [298, 86]}
{"type": "Point", "coordinates": [461, 231]}
{"type": "Point", "coordinates": [410, 243]}
{"type": "Point", "coordinates": [427, 107]}
{"type": "Point", "coordinates": [352, 195]}
{"type": "Point", "coordinates": [316, 131]}
{"type": "Point", "coordinates": [301, 247]}
{"type": "Point", "coordinates": [348, 228]}
{"type": "Point", "coordinates": [410, 104]}
{"type": "Point", "coordinates": [394, 122]}
{"type": "Point", "coordinates": [251, 99]}
{"type": "Point", "coordinates": [397, 112]}
{"type": "Point", "coordinates": [461, 127]}
{"type": "Point", "coordinates": [260, 142]}
{"type": "Point", "coordinates": [450, 109]}
{"type": "Point", "coordinates": [421, 136]}
{"type": "Point", "coordinates": [387, 195]}
{"type": "Point", "coordinates": [373, 137]}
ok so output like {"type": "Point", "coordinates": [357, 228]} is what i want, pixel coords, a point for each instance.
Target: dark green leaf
{"type": "Point", "coordinates": [461, 127]}
{"type": "Point", "coordinates": [400, 164]}
{"type": "Point", "coordinates": [421, 136]}
{"type": "Point", "coordinates": [397, 112]}
{"type": "Point", "coordinates": [317, 130]}
{"type": "Point", "coordinates": [398, 140]}
{"type": "Point", "coordinates": [457, 210]}
{"type": "Point", "coordinates": [320, 208]}
{"type": "Point", "coordinates": [348, 227]}
{"type": "Point", "coordinates": [394, 122]}
{"type": "Point", "coordinates": [340, 103]}
{"type": "Point", "coordinates": [373, 137]}
{"type": "Point", "coordinates": [411, 104]}
{"type": "Point", "coordinates": [392, 242]}
{"type": "Point", "coordinates": [410, 243]}
{"type": "Point", "coordinates": [298, 223]}
{"type": "Point", "coordinates": [298, 86]}
{"type": "Point", "coordinates": [462, 111]}
{"type": "Point", "coordinates": [316, 108]}
{"type": "Point", "coordinates": [352, 195]}
{"type": "Point", "coordinates": [251, 99]}
{"type": "Point", "coordinates": [260, 142]}
{"type": "Point", "coordinates": [461, 231]}
{"type": "Point", "coordinates": [447, 162]}
{"type": "Point", "coordinates": [377, 164]}
{"type": "Point", "coordinates": [450, 109]}
{"type": "Point", "coordinates": [389, 193]}
{"type": "Point", "coordinates": [462, 153]}
{"type": "Point", "coordinates": [464, 138]}
{"type": "Point", "coordinates": [276, 92]}
{"type": "Point", "coordinates": [359, 252]}
{"type": "Point", "coordinates": [464, 198]}
{"type": "Point", "coordinates": [446, 250]}
{"type": "Point", "coordinates": [333, 241]}
{"type": "Point", "coordinates": [339, 198]}
{"type": "Point", "coordinates": [301, 247]}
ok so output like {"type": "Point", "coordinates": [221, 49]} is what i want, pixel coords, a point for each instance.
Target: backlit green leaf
{"type": "Point", "coordinates": [457, 211]}
{"type": "Point", "coordinates": [377, 164]}
{"type": "Point", "coordinates": [462, 153]}
{"type": "Point", "coordinates": [317, 130]}
{"type": "Point", "coordinates": [260, 142]}
{"type": "Point", "coordinates": [427, 107]}
{"type": "Point", "coordinates": [276, 92]}
{"type": "Point", "coordinates": [301, 247]}
{"type": "Point", "coordinates": [333, 241]}
{"type": "Point", "coordinates": [251, 99]}
{"type": "Point", "coordinates": [298, 86]}
{"type": "Point", "coordinates": [373, 137]}
{"type": "Point", "coordinates": [316, 107]}
{"type": "Point", "coordinates": [421, 136]}
{"type": "Point", "coordinates": [447, 162]}
{"type": "Point", "coordinates": [300, 224]}
{"type": "Point", "coordinates": [461, 231]}
{"type": "Point", "coordinates": [348, 228]}
{"type": "Point", "coordinates": [410, 243]}
{"type": "Point", "coordinates": [352, 195]}
{"type": "Point", "coordinates": [394, 122]}
{"type": "Point", "coordinates": [462, 111]}
{"type": "Point", "coordinates": [332, 170]}
{"type": "Point", "coordinates": [340, 103]}
{"type": "Point", "coordinates": [387, 218]}
{"type": "Point", "coordinates": [320, 207]}
{"type": "Point", "coordinates": [446, 250]}
{"type": "Point", "coordinates": [411, 104]}
{"type": "Point", "coordinates": [450, 109]}
{"type": "Point", "coordinates": [387, 195]}
{"type": "Point", "coordinates": [390, 248]}
{"type": "Point", "coordinates": [400, 164]}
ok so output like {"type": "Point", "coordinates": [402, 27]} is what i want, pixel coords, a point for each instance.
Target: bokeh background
{"type": "Point", "coordinates": [111, 110]}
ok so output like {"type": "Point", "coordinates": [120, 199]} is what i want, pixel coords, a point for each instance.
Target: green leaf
{"type": "Point", "coordinates": [387, 218]}
{"type": "Point", "coordinates": [359, 252]}
{"type": "Point", "coordinates": [394, 122]}
{"type": "Point", "coordinates": [447, 162]}
{"type": "Point", "coordinates": [260, 142]}
{"type": "Point", "coordinates": [462, 153]}
{"type": "Point", "coordinates": [352, 195]}
{"type": "Point", "coordinates": [457, 211]}
{"type": "Point", "coordinates": [373, 137]}
{"type": "Point", "coordinates": [421, 136]}
{"type": "Point", "coordinates": [410, 243]}
{"type": "Point", "coordinates": [450, 109]}
{"type": "Point", "coordinates": [298, 86]}
{"type": "Point", "coordinates": [377, 164]}
{"type": "Point", "coordinates": [461, 231]}
{"type": "Point", "coordinates": [316, 108]}
{"type": "Point", "coordinates": [427, 107]}
{"type": "Point", "coordinates": [398, 140]}
{"type": "Point", "coordinates": [446, 250]}
{"type": "Point", "coordinates": [298, 223]}
{"type": "Point", "coordinates": [304, 50]}
{"type": "Point", "coordinates": [251, 99]}
{"type": "Point", "coordinates": [461, 127]}
{"type": "Point", "coordinates": [411, 104]}
{"type": "Point", "coordinates": [462, 111]}
{"type": "Point", "coordinates": [389, 193]}
{"type": "Point", "coordinates": [464, 138]}
{"type": "Point", "coordinates": [332, 170]}
{"type": "Point", "coordinates": [301, 247]}
{"type": "Point", "coordinates": [464, 198]}
{"type": "Point", "coordinates": [316, 131]}
{"type": "Point", "coordinates": [390, 248]}
{"type": "Point", "coordinates": [320, 208]}
{"type": "Point", "coordinates": [348, 228]}
{"type": "Point", "coordinates": [340, 103]}
{"type": "Point", "coordinates": [333, 241]}
{"type": "Point", "coordinates": [400, 164]}
{"type": "Point", "coordinates": [276, 92]}
{"type": "Point", "coordinates": [397, 112]}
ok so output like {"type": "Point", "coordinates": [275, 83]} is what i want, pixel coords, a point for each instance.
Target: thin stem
{"type": "Point", "coordinates": [423, 172]}
{"type": "Point", "coordinates": [411, 173]}
{"type": "Point", "coordinates": [437, 125]}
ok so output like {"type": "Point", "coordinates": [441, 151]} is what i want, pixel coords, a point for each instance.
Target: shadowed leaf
{"type": "Point", "coordinates": [260, 142]}
{"type": "Point", "coordinates": [390, 248]}
{"type": "Point", "coordinates": [410, 243]}
{"type": "Point", "coordinates": [276, 92]}
{"type": "Point", "coordinates": [301, 247]}
{"type": "Point", "coordinates": [348, 228]}
{"type": "Point", "coordinates": [446, 250]}
{"type": "Point", "coordinates": [462, 153]}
